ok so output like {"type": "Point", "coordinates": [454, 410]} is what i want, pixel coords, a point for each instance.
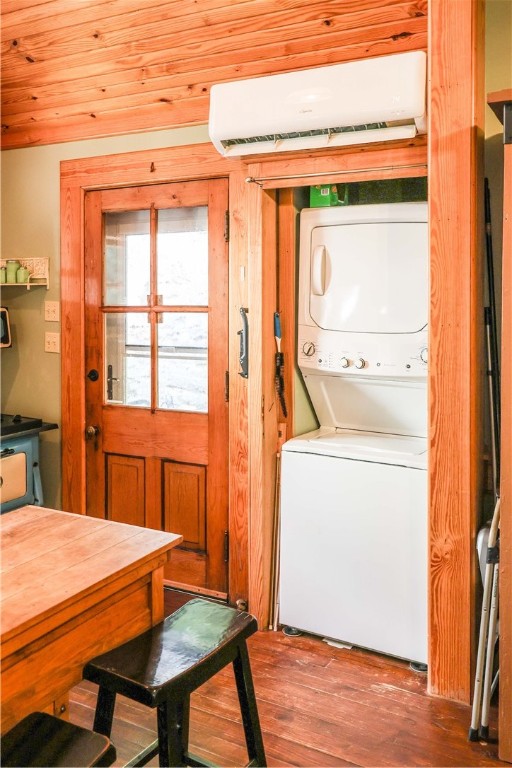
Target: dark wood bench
{"type": "Point", "coordinates": [44, 740]}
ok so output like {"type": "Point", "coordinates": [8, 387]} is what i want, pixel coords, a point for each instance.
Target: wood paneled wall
{"type": "Point", "coordinates": [73, 70]}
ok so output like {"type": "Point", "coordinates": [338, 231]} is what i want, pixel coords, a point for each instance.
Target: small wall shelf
{"type": "Point", "coordinates": [39, 269]}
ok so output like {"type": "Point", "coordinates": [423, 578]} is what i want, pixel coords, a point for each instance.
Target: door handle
{"type": "Point", "coordinates": [92, 432]}
{"type": "Point", "coordinates": [318, 271]}
{"type": "Point", "coordinates": [244, 344]}
{"type": "Point", "coordinates": [110, 382]}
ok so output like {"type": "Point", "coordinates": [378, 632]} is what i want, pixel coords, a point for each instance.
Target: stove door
{"type": "Point", "coordinates": [13, 477]}
{"type": "Point", "coordinates": [19, 472]}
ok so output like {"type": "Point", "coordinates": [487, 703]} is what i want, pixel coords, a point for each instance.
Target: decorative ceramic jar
{"type": "Point", "coordinates": [22, 275]}
{"type": "Point", "coordinates": [12, 268]}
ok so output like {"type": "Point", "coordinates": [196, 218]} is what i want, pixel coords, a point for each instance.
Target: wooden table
{"type": "Point", "coordinates": [72, 587]}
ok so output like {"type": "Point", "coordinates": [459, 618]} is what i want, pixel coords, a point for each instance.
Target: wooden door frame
{"type": "Point", "coordinates": [457, 359]}
{"type": "Point", "coordinates": [145, 168]}
{"type": "Point", "coordinates": [455, 373]}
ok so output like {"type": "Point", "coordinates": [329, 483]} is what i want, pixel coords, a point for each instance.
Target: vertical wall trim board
{"type": "Point", "coordinates": [455, 151]}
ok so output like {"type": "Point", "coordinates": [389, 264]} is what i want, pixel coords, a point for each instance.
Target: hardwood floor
{"type": "Point", "coordinates": [319, 706]}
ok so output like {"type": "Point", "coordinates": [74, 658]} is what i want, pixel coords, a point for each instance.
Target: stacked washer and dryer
{"type": "Point", "coordinates": [353, 551]}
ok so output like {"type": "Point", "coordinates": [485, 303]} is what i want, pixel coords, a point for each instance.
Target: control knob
{"type": "Point", "coordinates": [424, 355]}
{"type": "Point", "coordinates": [345, 362]}
{"type": "Point", "coordinates": [308, 348]}
{"type": "Point", "coordinates": [360, 363]}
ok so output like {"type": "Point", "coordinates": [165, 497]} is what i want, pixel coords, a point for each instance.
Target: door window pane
{"type": "Point", "coordinates": [183, 361]}
{"type": "Point", "coordinates": [128, 359]}
{"type": "Point", "coordinates": [126, 259]}
{"type": "Point", "coordinates": [182, 256]}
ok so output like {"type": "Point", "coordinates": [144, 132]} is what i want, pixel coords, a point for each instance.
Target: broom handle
{"type": "Point", "coordinates": [492, 303]}
{"type": "Point", "coordinates": [491, 373]}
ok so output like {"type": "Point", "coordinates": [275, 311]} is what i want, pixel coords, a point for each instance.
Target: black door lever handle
{"type": "Point", "coordinates": [244, 344]}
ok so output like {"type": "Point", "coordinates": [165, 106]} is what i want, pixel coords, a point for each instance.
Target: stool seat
{"type": "Point", "coordinates": [44, 740]}
{"type": "Point", "coordinates": [161, 667]}
{"type": "Point", "coordinates": [180, 653]}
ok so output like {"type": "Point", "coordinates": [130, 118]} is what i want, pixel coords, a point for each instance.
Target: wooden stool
{"type": "Point", "coordinates": [164, 665]}
{"type": "Point", "coordinates": [44, 740]}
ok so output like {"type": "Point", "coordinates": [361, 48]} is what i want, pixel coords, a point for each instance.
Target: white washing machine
{"type": "Point", "coordinates": [353, 548]}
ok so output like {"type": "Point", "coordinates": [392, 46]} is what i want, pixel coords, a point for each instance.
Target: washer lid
{"type": "Point", "coordinates": [377, 447]}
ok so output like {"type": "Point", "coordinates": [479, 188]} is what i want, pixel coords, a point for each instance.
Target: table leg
{"type": "Point", "coordinates": [157, 595]}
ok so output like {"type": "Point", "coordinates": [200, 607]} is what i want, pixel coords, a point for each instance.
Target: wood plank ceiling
{"type": "Point", "coordinates": [76, 69]}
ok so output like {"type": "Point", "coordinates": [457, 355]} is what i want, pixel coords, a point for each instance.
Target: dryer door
{"type": "Point", "coordinates": [369, 277]}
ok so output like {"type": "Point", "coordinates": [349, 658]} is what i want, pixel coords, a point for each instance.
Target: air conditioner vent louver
{"type": "Point", "coordinates": [301, 134]}
{"type": "Point", "coordinates": [357, 102]}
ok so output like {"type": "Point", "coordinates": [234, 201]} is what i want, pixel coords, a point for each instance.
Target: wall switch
{"type": "Point", "coordinates": [52, 342]}
{"type": "Point", "coordinates": [52, 311]}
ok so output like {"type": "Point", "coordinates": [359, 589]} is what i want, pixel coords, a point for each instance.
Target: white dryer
{"type": "Point", "coordinates": [353, 552]}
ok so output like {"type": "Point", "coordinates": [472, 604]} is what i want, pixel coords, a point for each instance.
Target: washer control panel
{"type": "Point", "coordinates": [403, 355]}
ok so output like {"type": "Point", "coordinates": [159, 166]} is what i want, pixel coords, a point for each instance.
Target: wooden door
{"type": "Point", "coordinates": [156, 351]}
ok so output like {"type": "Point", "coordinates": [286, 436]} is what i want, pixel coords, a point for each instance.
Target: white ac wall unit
{"type": "Point", "coordinates": [357, 102]}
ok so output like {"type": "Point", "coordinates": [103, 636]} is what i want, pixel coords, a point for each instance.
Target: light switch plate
{"type": "Point", "coordinates": [52, 311]}
{"type": "Point", "coordinates": [52, 342]}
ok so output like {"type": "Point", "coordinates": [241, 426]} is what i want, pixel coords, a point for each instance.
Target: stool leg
{"type": "Point", "coordinates": [104, 711]}
{"type": "Point", "coordinates": [248, 707]}
{"type": "Point", "coordinates": [185, 722]}
{"type": "Point", "coordinates": [172, 721]}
